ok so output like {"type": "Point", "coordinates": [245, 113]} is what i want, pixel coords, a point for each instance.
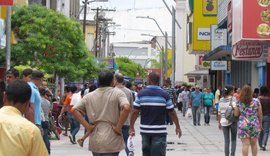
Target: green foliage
{"type": "Point", "coordinates": [129, 68]}
{"type": "Point", "coordinates": [50, 41]}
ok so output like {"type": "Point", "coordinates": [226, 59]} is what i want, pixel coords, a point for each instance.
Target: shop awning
{"type": "Point", "coordinates": [220, 53]}
{"type": "Point", "coordinates": [197, 73]}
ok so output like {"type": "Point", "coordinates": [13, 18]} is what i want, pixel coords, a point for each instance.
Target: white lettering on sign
{"type": "Point", "coordinates": [219, 65]}
{"type": "Point", "coordinates": [248, 50]}
{"type": "Point", "coordinates": [204, 34]}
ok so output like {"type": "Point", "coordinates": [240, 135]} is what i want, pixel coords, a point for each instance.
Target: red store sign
{"type": "Point", "coordinates": [6, 2]}
{"type": "Point", "coordinates": [249, 50]}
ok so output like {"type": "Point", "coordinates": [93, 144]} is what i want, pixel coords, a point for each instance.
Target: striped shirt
{"type": "Point", "coordinates": [153, 103]}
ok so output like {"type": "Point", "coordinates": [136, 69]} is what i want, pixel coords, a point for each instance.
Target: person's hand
{"type": "Point", "coordinates": [219, 126]}
{"type": "Point", "coordinates": [91, 127]}
{"type": "Point", "coordinates": [116, 130]}
{"type": "Point", "coordinates": [131, 131]}
{"type": "Point", "coordinates": [178, 132]}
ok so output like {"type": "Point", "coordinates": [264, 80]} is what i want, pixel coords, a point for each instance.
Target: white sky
{"type": "Point", "coordinates": [131, 27]}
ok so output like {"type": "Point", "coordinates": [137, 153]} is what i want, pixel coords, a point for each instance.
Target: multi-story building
{"type": "Point", "coordinates": [202, 14]}
{"type": "Point", "coordinates": [247, 68]}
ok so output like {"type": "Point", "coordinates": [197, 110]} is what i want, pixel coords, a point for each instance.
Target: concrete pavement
{"type": "Point", "coordinates": [196, 141]}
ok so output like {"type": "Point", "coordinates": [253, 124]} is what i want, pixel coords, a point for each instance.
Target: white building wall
{"type": "Point", "coordinates": [185, 62]}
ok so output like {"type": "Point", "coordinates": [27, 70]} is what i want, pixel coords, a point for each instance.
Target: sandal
{"type": "Point", "coordinates": [80, 142]}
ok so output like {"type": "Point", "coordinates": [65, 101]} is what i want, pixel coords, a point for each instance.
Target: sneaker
{"type": "Point", "coordinates": [71, 139]}
{"type": "Point", "coordinates": [194, 124]}
{"type": "Point", "coordinates": [263, 148]}
{"type": "Point", "coordinates": [205, 124]}
{"type": "Point", "coordinates": [199, 124]}
{"type": "Point", "coordinates": [208, 124]}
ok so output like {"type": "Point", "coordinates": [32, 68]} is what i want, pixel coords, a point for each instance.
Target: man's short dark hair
{"type": "Point", "coordinates": [119, 77]}
{"type": "Point", "coordinates": [18, 91]}
{"type": "Point", "coordinates": [128, 85]}
{"type": "Point", "coordinates": [14, 72]}
{"type": "Point", "coordinates": [37, 75]}
{"type": "Point", "coordinates": [154, 78]}
{"type": "Point", "coordinates": [105, 78]}
{"type": "Point", "coordinates": [27, 72]}
{"type": "Point", "coordinates": [73, 88]}
{"type": "Point", "coordinates": [264, 90]}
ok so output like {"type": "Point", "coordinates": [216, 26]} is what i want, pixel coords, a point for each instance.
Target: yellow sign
{"type": "Point", "coordinates": [209, 7]}
{"type": "Point", "coordinates": [200, 24]}
{"type": "Point", "coordinates": [169, 65]}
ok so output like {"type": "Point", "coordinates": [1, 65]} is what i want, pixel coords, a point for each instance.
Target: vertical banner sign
{"type": "Point", "coordinates": [6, 2]}
{"type": "Point", "coordinates": [209, 7]}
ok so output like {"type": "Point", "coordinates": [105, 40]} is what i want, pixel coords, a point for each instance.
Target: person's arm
{"type": "Point", "coordinates": [260, 115]}
{"type": "Point", "coordinates": [62, 111]}
{"type": "Point", "coordinates": [174, 118]}
{"type": "Point", "coordinates": [190, 101]}
{"type": "Point", "coordinates": [78, 115]}
{"type": "Point", "coordinates": [122, 119]}
{"type": "Point", "coordinates": [134, 116]}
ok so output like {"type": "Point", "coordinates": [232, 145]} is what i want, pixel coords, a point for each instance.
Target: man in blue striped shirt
{"type": "Point", "coordinates": [153, 103]}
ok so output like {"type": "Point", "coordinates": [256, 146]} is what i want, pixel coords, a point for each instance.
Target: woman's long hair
{"type": "Point", "coordinates": [246, 94]}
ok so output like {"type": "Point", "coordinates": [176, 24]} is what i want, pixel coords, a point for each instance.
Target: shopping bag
{"type": "Point", "coordinates": [131, 143]}
{"type": "Point", "coordinates": [189, 113]}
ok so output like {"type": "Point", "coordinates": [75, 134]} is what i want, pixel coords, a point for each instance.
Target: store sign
{"type": "Point", "coordinates": [6, 2]}
{"type": "Point", "coordinates": [204, 34]}
{"type": "Point", "coordinates": [210, 7]}
{"type": "Point", "coordinates": [247, 28]}
{"type": "Point", "coordinates": [218, 37]}
{"type": "Point", "coordinates": [218, 65]}
{"type": "Point", "coordinates": [249, 50]}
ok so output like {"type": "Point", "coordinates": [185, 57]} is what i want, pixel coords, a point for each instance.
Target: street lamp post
{"type": "Point", "coordinates": [147, 17]}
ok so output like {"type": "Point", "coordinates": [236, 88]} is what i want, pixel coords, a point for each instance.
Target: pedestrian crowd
{"type": "Point", "coordinates": [109, 109]}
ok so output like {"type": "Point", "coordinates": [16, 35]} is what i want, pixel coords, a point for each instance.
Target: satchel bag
{"type": "Point", "coordinates": [229, 113]}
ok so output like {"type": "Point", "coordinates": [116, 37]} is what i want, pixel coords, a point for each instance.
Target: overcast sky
{"type": "Point", "coordinates": [131, 27]}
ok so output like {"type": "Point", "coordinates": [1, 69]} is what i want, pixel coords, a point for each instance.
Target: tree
{"type": "Point", "coordinates": [129, 68]}
{"type": "Point", "coordinates": [50, 41]}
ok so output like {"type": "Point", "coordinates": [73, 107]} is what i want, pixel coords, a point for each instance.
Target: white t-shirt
{"type": "Point", "coordinates": [76, 97]}
{"type": "Point", "coordinates": [224, 103]}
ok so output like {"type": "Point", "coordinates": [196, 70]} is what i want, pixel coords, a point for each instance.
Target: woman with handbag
{"type": "Point", "coordinates": [250, 120]}
{"type": "Point", "coordinates": [229, 128]}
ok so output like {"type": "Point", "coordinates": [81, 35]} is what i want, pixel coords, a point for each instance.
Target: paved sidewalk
{"type": "Point", "coordinates": [196, 141]}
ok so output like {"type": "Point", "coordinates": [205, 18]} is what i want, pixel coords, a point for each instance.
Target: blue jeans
{"type": "Point", "coordinates": [196, 115]}
{"type": "Point", "coordinates": [154, 145]}
{"type": "Point", "coordinates": [45, 127]}
{"type": "Point", "coordinates": [74, 125]}
{"type": "Point", "coordinates": [125, 129]}
{"type": "Point", "coordinates": [265, 133]}
{"type": "Point", "coordinates": [230, 131]}
{"type": "Point", "coordinates": [105, 154]}
{"type": "Point", "coordinates": [207, 114]}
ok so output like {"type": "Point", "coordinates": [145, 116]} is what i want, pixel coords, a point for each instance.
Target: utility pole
{"type": "Point", "coordinates": [162, 66]}
{"type": "Point", "coordinates": [100, 32]}
{"type": "Point", "coordinates": [97, 31]}
{"type": "Point", "coordinates": [86, 2]}
{"type": "Point", "coordinates": [8, 34]}
{"type": "Point", "coordinates": [166, 55]}
{"type": "Point", "coordinates": [173, 48]}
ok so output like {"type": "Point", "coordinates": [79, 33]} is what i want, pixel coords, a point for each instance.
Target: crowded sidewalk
{"type": "Point", "coordinates": [195, 141]}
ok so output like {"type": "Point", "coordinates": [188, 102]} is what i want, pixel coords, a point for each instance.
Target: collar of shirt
{"type": "Point", "coordinates": [153, 87]}
{"type": "Point", "coordinates": [11, 110]}
{"type": "Point", "coordinates": [32, 84]}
